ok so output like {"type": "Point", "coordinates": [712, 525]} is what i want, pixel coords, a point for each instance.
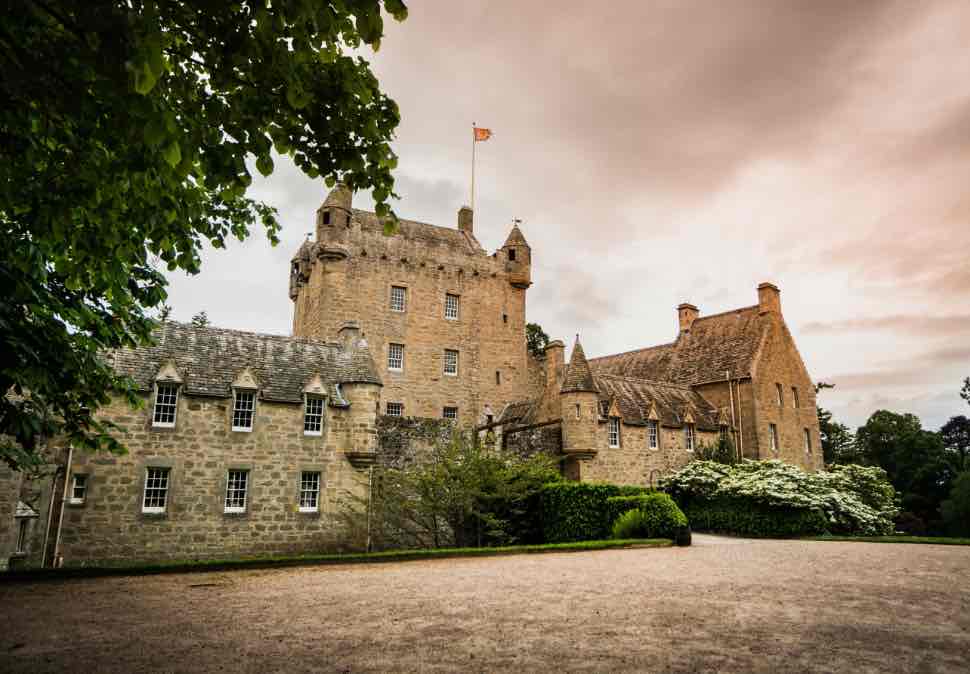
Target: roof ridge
{"type": "Point", "coordinates": [409, 221]}
{"type": "Point", "coordinates": [215, 329]}
{"type": "Point", "coordinates": [631, 351]}
{"type": "Point", "coordinates": [729, 311]}
{"type": "Point", "coordinates": [644, 380]}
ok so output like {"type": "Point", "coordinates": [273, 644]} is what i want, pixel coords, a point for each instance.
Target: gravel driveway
{"type": "Point", "coordinates": [721, 605]}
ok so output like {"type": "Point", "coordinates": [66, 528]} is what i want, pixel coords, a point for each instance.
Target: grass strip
{"type": "Point", "coordinates": [269, 562]}
{"type": "Point", "coordinates": [931, 540]}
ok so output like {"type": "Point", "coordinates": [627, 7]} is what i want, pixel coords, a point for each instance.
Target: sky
{"type": "Point", "coordinates": [661, 152]}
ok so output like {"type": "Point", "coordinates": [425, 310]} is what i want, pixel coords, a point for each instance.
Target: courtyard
{"type": "Point", "coordinates": [722, 605]}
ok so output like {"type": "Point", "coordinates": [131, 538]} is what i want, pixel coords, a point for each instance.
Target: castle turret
{"type": "Point", "coordinates": [334, 215]}
{"type": "Point", "coordinates": [579, 400]}
{"type": "Point", "coordinates": [518, 258]}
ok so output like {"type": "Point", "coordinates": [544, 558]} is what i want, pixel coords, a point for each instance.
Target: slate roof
{"type": "Point", "coordinates": [516, 238]}
{"type": "Point", "coordinates": [715, 344]}
{"type": "Point", "coordinates": [635, 398]}
{"type": "Point", "coordinates": [577, 376]}
{"type": "Point", "coordinates": [209, 359]}
{"type": "Point", "coordinates": [427, 235]}
{"type": "Point", "coordinates": [521, 413]}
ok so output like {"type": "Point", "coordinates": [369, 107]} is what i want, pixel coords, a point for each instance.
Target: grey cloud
{"type": "Point", "coordinates": [943, 326]}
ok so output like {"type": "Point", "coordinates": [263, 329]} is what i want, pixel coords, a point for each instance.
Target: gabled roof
{"type": "Point", "coordinates": [634, 399]}
{"type": "Point", "coordinates": [209, 359]}
{"type": "Point", "coordinates": [714, 345]}
{"type": "Point", "coordinates": [577, 377]}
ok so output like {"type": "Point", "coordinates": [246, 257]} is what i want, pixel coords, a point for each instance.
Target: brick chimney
{"type": "Point", "coordinates": [686, 313]}
{"type": "Point", "coordinates": [465, 218]}
{"type": "Point", "coordinates": [555, 357]}
{"type": "Point", "coordinates": [769, 298]}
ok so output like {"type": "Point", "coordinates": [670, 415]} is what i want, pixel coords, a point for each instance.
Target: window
{"type": "Point", "coordinates": [309, 492]}
{"type": "Point", "coordinates": [313, 416]}
{"type": "Point", "coordinates": [808, 441]}
{"type": "Point", "coordinates": [79, 488]}
{"type": "Point", "coordinates": [511, 254]}
{"type": "Point", "coordinates": [394, 409]}
{"type": "Point", "coordinates": [781, 397]}
{"type": "Point", "coordinates": [773, 437]}
{"type": "Point", "coordinates": [236, 485]}
{"type": "Point", "coordinates": [505, 318]}
{"type": "Point", "coordinates": [451, 306]}
{"type": "Point", "coordinates": [579, 411]}
{"type": "Point", "coordinates": [399, 298]}
{"type": "Point", "coordinates": [395, 357]}
{"type": "Point", "coordinates": [724, 432]}
{"type": "Point", "coordinates": [689, 437]}
{"type": "Point", "coordinates": [498, 378]}
{"type": "Point", "coordinates": [242, 410]}
{"type": "Point", "coordinates": [449, 413]}
{"type": "Point", "coordinates": [652, 435]}
{"type": "Point", "coordinates": [614, 432]}
{"type": "Point", "coordinates": [794, 397]}
{"type": "Point", "coordinates": [326, 217]}
{"type": "Point", "coordinates": [451, 362]}
{"type": "Point", "coordinates": [156, 490]}
{"type": "Point", "coordinates": [22, 536]}
{"type": "Point", "coordinates": [166, 403]}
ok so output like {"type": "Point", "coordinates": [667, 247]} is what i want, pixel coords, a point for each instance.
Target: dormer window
{"type": "Point", "coordinates": [313, 416]}
{"type": "Point", "coordinates": [243, 409]}
{"type": "Point", "coordinates": [166, 405]}
{"type": "Point", "coordinates": [511, 254]}
{"type": "Point", "coordinates": [614, 432]}
{"type": "Point", "coordinates": [652, 435]}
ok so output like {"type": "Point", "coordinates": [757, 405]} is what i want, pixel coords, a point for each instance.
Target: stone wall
{"type": "Point", "coordinates": [9, 495]}
{"type": "Point", "coordinates": [404, 440]}
{"type": "Point", "coordinates": [546, 439]}
{"type": "Point", "coordinates": [111, 527]}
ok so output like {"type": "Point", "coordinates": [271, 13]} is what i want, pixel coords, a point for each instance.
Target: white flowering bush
{"type": "Point", "coordinates": [852, 499]}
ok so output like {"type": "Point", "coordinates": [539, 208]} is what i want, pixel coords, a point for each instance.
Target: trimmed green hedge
{"type": "Point", "coordinates": [752, 519]}
{"type": "Point", "coordinates": [654, 513]}
{"type": "Point", "coordinates": [578, 511]}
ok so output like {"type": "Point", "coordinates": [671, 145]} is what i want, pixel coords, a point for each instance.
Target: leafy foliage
{"type": "Point", "coordinates": [720, 451]}
{"type": "Point", "coordinates": [651, 516]}
{"type": "Point", "coordinates": [127, 135]}
{"type": "Point", "coordinates": [200, 320]}
{"type": "Point", "coordinates": [956, 509]}
{"type": "Point", "coordinates": [735, 516]}
{"type": "Point", "coordinates": [850, 499]}
{"type": "Point", "coordinates": [580, 511]}
{"type": "Point", "coordinates": [536, 339]}
{"type": "Point", "coordinates": [955, 434]}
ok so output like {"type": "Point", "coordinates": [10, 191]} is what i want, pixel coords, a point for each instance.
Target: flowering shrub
{"type": "Point", "coordinates": [852, 499]}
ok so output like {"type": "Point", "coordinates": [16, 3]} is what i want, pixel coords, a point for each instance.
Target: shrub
{"type": "Point", "coordinates": [956, 509]}
{"type": "Point", "coordinates": [578, 511]}
{"type": "Point", "coordinates": [651, 516]}
{"type": "Point", "coordinates": [747, 519]}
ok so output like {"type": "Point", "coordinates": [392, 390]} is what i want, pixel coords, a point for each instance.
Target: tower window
{"type": "Point", "coordinates": [451, 362]}
{"type": "Point", "coordinates": [773, 437]}
{"type": "Point", "coordinates": [505, 318]}
{"type": "Point", "coordinates": [808, 441]}
{"type": "Point", "coordinates": [498, 378]}
{"type": "Point", "coordinates": [348, 219]}
{"type": "Point", "coordinates": [781, 396]}
{"type": "Point", "coordinates": [395, 357]}
{"type": "Point", "coordinates": [326, 217]}
{"type": "Point", "coordinates": [511, 254]}
{"type": "Point", "coordinates": [451, 306]}
{"type": "Point", "coordinates": [399, 298]}
{"type": "Point", "coordinates": [794, 397]}
{"type": "Point", "coordinates": [22, 536]}
{"type": "Point", "coordinates": [579, 411]}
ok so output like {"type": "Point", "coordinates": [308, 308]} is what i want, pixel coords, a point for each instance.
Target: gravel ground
{"type": "Point", "coordinates": [721, 605]}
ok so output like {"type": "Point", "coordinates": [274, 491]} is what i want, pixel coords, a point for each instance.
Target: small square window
{"type": "Point", "coordinates": [237, 485]}
{"type": "Point", "coordinates": [689, 437]}
{"type": "Point", "coordinates": [156, 490]}
{"type": "Point", "coordinates": [79, 489]}
{"type": "Point", "coordinates": [399, 298]}
{"type": "Point", "coordinates": [394, 409]}
{"type": "Point", "coordinates": [309, 491]}
{"type": "Point", "coordinates": [242, 410]}
{"type": "Point", "coordinates": [313, 416]}
{"type": "Point", "coordinates": [449, 413]}
{"type": "Point", "coordinates": [614, 432]}
{"type": "Point", "coordinates": [395, 357]}
{"type": "Point", "coordinates": [451, 362]}
{"type": "Point", "coordinates": [451, 306]}
{"type": "Point", "coordinates": [773, 437]}
{"type": "Point", "coordinates": [166, 405]}
{"type": "Point", "coordinates": [652, 435]}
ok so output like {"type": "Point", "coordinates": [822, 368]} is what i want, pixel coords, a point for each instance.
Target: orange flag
{"type": "Point", "coordinates": [482, 134]}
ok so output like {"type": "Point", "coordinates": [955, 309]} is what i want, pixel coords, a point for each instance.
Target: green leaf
{"type": "Point", "coordinates": [172, 154]}
{"type": "Point", "coordinates": [144, 78]}
{"type": "Point", "coordinates": [264, 164]}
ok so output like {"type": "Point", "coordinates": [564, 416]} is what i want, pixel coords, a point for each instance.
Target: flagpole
{"type": "Point", "coordinates": [473, 168]}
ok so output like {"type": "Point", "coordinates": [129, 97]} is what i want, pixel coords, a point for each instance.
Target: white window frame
{"type": "Point", "coordinates": [773, 437]}
{"type": "Point", "coordinates": [391, 360]}
{"type": "Point", "coordinates": [653, 434]}
{"type": "Point", "coordinates": [449, 408]}
{"type": "Point", "coordinates": [75, 499]}
{"type": "Point", "coordinates": [689, 437]}
{"type": "Point", "coordinates": [613, 432]}
{"type": "Point", "coordinates": [173, 405]}
{"type": "Point", "coordinates": [233, 488]}
{"type": "Point", "coordinates": [387, 409]}
{"type": "Point", "coordinates": [794, 397]}
{"type": "Point", "coordinates": [808, 441]}
{"type": "Point", "coordinates": [398, 302]}
{"type": "Point", "coordinates": [236, 393]}
{"type": "Point", "coordinates": [451, 358]}
{"type": "Point", "coordinates": [309, 491]}
{"type": "Point", "coordinates": [452, 308]}
{"type": "Point", "coordinates": [314, 417]}
{"type": "Point", "coordinates": [159, 486]}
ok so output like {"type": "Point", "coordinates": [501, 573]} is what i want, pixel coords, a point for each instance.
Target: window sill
{"type": "Point", "coordinates": [242, 430]}
{"type": "Point", "coordinates": [312, 434]}
{"type": "Point", "coordinates": [75, 504]}
{"type": "Point", "coordinates": [308, 513]}
{"type": "Point", "coordinates": [235, 513]}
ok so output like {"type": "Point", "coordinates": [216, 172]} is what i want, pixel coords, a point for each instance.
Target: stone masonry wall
{"type": "Point", "coordinates": [404, 440]}
{"type": "Point", "coordinates": [111, 527]}
{"type": "Point", "coordinates": [9, 495]}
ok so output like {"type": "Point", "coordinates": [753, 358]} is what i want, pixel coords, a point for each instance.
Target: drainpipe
{"type": "Point", "coordinates": [370, 501]}
{"type": "Point", "coordinates": [55, 558]}
{"type": "Point", "coordinates": [740, 420]}
{"type": "Point", "coordinates": [50, 517]}
{"type": "Point", "coordinates": [727, 377]}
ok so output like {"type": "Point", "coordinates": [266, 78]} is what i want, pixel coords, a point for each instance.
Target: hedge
{"type": "Point", "coordinates": [578, 511]}
{"type": "Point", "coordinates": [649, 516]}
{"type": "Point", "coordinates": [752, 519]}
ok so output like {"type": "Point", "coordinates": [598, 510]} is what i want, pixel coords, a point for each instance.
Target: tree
{"type": "Point", "coordinates": [838, 443]}
{"type": "Point", "coordinates": [128, 132]}
{"type": "Point", "coordinates": [956, 509]}
{"type": "Point", "coordinates": [965, 391]}
{"type": "Point", "coordinates": [956, 438]}
{"type": "Point", "coordinates": [200, 320]}
{"type": "Point", "coordinates": [536, 339]}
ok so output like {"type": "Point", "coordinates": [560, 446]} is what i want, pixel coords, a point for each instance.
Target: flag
{"type": "Point", "coordinates": [482, 134]}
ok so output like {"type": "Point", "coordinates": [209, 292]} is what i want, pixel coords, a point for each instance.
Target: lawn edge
{"type": "Point", "coordinates": [913, 540]}
{"type": "Point", "coordinates": [202, 566]}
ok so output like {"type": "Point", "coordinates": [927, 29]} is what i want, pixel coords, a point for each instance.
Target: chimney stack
{"type": "Point", "coordinates": [769, 298]}
{"type": "Point", "coordinates": [686, 313]}
{"type": "Point", "coordinates": [465, 218]}
{"type": "Point", "coordinates": [555, 358]}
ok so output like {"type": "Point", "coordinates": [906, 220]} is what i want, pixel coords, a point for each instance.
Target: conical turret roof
{"type": "Point", "coordinates": [578, 377]}
{"type": "Point", "coordinates": [516, 238]}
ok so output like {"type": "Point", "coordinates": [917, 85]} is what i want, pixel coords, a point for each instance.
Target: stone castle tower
{"type": "Point", "coordinates": [444, 319]}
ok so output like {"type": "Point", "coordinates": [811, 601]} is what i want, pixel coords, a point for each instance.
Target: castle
{"type": "Point", "coordinates": [246, 441]}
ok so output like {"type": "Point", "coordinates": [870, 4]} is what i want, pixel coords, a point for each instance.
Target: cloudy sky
{"type": "Point", "coordinates": [659, 152]}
